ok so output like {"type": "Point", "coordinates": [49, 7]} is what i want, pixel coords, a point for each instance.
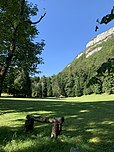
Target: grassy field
{"type": "Point", "coordinates": [89, 124]}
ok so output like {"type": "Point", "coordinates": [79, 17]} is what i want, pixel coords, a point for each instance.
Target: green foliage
{"type": "Point", "coordinates": [27, 51]}
{"type": "Point", "coordinates": [17, 35]}
{"type": "Point", "coordinates": [44, 86]}
{"type": "Point", "coordinates": [87, 75]}
{"type": "Point", "coordinates": [69, 86]}
{"type": "Point", "coordinates": [49, 87]}
{"type": "Point", "coordinates": [18, 83]}
{"type": "Point", "coordinates": [106, 19]}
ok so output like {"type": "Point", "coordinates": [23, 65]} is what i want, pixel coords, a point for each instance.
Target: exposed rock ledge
{"type": "Point", "coordinates": [93, 51]}
{"type": "Point", "coordinates": [101, 37]}
{"type": "Point", "coordinates": [92, 47]}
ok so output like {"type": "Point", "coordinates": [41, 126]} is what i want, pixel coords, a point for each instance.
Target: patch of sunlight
{"type": "Point", "coordinates": [71, 129]}
{"type": "Point", "coordinates": [11, 120]}
{"type": "Point", "coordinates": [29, 99]}
{"type": "Point", "coordinates": [92, 130]}
{"type": "Point", "coordinates": [95, 140]}
{"type": "Point", "coordinates": [7, 111]}
{"type": "Point", "coordinates": [97, 131]}
{"type": "Point", "coordinates": [83, 111]}
{"type": "Point", "coordinates": [5, 94]}
{"type": "Point", "coordinates": [80, 118]}
{"type": "Point", "coordinates": [40, 112]}
{"type": "Point", "coordinates": [73, 116]}
{"type": "Point", "coordinates": [11, 116]}
{"type": "Point", "coordinates": [107, 122]}
{"type": "Point", "coordinates": [43, 112]}
{"type": "Point", "coordinates": [91, 124]}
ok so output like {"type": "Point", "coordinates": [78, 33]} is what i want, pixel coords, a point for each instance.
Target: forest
{"type": "Point", "coordinates": [84, 76]}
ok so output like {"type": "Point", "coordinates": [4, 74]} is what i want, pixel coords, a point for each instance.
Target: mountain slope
{"type": "Point", "coordinates": [86, 73]}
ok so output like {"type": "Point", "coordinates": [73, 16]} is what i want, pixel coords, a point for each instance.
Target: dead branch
{"type": "Point", "coordinates": [42, 16]}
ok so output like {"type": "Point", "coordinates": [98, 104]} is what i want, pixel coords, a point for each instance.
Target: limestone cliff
{"type": "Point", "coordinates": [101, 37]}
{"type": "Point", "coordinates": [91, 47]}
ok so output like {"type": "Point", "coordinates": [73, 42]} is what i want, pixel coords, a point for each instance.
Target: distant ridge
{"type": "Point", "coordinates": [91, 45]}
{"type": "Point", "coordinates": [92, 71]}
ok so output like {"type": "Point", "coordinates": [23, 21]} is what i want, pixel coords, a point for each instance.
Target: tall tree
{"type": "Point", "coordinates": [17, 34]}
{"type": "Point", "coordinates": [49, 87]}
{"type": "Point", "coordinates": [44, 86]}
{"type": "Point", "coordinates": [22, 84]}
{"type": "Point", "coordinates": [69, 86]}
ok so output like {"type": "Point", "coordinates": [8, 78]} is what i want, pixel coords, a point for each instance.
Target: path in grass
{"type": "Point", "coordinates": [89, 124]}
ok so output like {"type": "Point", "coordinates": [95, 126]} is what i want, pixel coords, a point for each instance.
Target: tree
{"type": "Point", "coordinates": [17, 34]}
{"type": "Point", "coordinates": [18, 83]}
{"type": "Point", "coordinates": [9, 81]}
{"type": "Point", "coordinates": [49, 87]}
{"type": "Point", "coordinates": [43, 81]}
{"type": "Point", "coordinates": [22, 84]}
{"type": "Point", "coordinates": [56, 85]}
{"type": "Point", "coordinates": [69, 86]}
{"type": "Point", "coordinates": [78, 87]}
{"type": "Point", "coordinates": [37, 90]}
{"type": "Point", "coordinates": [106, 19]}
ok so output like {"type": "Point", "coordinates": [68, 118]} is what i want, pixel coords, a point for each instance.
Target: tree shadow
{"type": "Point", "coordinates": [88, 125]}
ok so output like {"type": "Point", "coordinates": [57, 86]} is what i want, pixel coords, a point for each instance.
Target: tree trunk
{"type": "Point", "coordinates": [1, 84]}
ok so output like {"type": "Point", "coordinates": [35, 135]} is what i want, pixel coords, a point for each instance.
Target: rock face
{"type": "Point", "coordinates": [92, 47]}
{"type": "Point", "coordinates": [101, 37]}
{"type": "Point", "coordinates": [90, 51]}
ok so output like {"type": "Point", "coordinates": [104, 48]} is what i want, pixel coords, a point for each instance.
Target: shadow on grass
{"type": "Point", "coordinates": [19, 141]}
{"type": "Point", "coordinates": [88, 125]}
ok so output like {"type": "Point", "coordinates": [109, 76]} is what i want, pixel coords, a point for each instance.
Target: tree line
{"type": "Point", "coordinates": [85, 75]}
{"type": "Point", "coordinates": [18, 83]}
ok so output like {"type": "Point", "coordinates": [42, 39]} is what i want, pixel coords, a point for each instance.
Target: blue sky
{"type": "Point", "coordinates": [67, 27]}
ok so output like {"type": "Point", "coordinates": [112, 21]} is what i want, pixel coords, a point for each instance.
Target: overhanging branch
{"type": "Point", "coordinates": [42, 16]}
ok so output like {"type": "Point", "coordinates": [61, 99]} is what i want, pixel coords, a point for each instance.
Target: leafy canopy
{"type": "Point", "coordinates": [16, 28]}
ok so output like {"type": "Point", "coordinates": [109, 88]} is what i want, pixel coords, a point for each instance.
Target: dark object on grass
{"type": "Point", "coordinates": [29, 123]}
{"type": "Point", "coordinates": [57, 126]}
{"type": "Point", "coordinates": [56, 121]}
{"type": "Point", "coordinates": [60, 121]}
{"type": "Point", "coordinates": [55, 129]}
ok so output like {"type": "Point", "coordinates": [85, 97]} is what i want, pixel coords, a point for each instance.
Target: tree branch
{"type": "Point", "coordinates": [106, 19]}
{"type": "Point", "coordinates": [42, 16]}
{"type": "Point", "coordinates": [22, 7]}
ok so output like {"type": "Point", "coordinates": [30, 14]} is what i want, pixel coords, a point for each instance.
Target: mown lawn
{"type": "Point", "coordinates": [89, 124]}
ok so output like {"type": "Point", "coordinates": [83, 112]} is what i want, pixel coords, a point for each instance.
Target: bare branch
{"type": "Point", "coordinates": [42, 16]}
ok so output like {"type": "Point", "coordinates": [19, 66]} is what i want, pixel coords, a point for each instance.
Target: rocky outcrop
{"type": "Point", "coordinates": [101, 37]}
{"type": "Point", "coordinates": [92, 51]}
{"type": "Point", "coordinates": [92, 47]}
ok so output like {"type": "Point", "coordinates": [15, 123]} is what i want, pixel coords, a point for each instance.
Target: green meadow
{"type": "Point", "coordinates": [89, 124]}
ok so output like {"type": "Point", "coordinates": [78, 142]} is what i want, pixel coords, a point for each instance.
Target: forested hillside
{"type": "Point", "coordinates": [92, 71]}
